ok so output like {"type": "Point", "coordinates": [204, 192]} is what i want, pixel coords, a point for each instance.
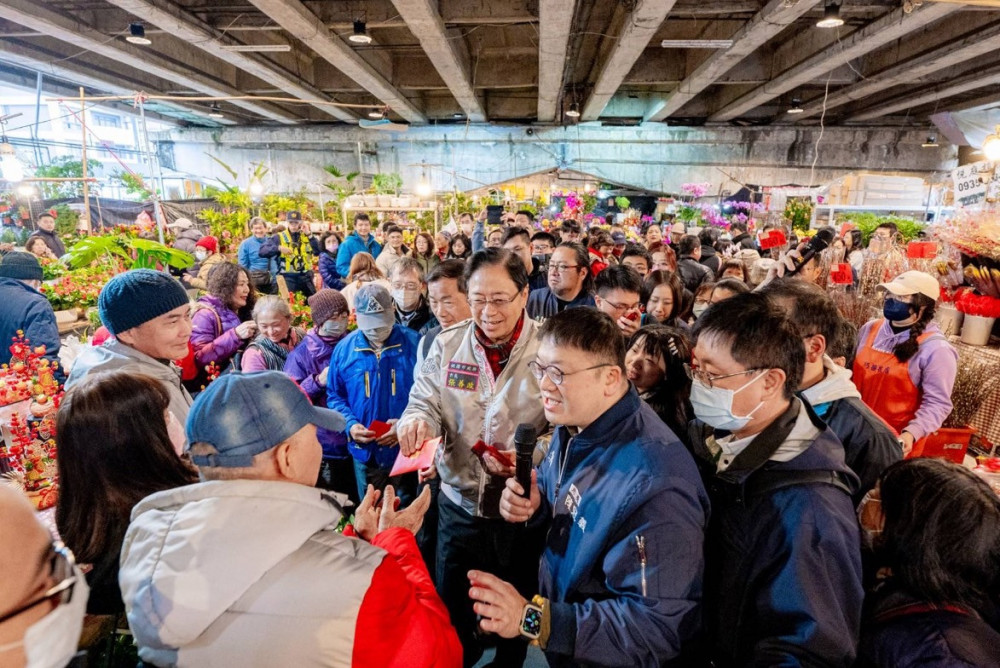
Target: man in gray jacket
{"type": "Point", "coordinates": [149, 315]}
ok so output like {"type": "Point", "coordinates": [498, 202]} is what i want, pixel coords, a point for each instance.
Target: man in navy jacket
{"type": "Point", "coordinates": [25, 308]}
{"type": "Point", "coordinates": [621, 575]}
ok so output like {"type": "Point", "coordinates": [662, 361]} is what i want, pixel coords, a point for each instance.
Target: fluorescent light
{"type": "Point", "coordinates": [137, 34]}
{"type": "Point", "coordinates": [376, 113]}
{"type": "Point", "coordinates": [257, 48]}
{"type": "Point", "coordinates": [360, 35]}
{"type": "Point", "coordinates": [696, 43]}
{"type": "Point", "coordinates": [831, 17]}
{"type": "Point", "coordinates": [215, 111]}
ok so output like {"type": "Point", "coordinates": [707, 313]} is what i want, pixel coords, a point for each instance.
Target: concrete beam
{"type": "Point", "coordinates": [67, 29]}
{"type": "Point", "coordinates": [637, 29]}
{"type": "Point", "coordinates": [188, 27]}
{"type": "Point", "coordinates": [446, 51]}
{"type": "Point", "coordinates": [957, 86]}
{"type": "Point", "coordinates": [982, 103]}
{"type": "Point", "coordinates": [973, 45]}
{"type": "Point", "coordinates": [555, 22]}
{"type": "Point", "coordinates": [297, 20]}
{"type": "Point", "coordinates": [890, 27]}
{"type": "Point", "coordinates": [768, 22]}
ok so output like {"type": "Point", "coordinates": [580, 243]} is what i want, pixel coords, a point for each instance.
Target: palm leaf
{"type": "Point", "coordinates": [232, 172]}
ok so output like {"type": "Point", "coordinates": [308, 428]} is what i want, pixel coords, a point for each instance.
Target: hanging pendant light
{"type": "Point", "coordinates": [360, 35]}
{"type": "Point", "coordinates": [831, 17]}
{"type": "Point", "coordinates": [137, 35]}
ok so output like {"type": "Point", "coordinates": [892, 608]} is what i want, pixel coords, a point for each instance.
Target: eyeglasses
{"type": "Point", "coordinates": [560, 268]}
{"type": "Point", "coordinates": [707, 379]}
{"type": "Point", "coordinates": [495, 302]}
{"type": "Point", "coordinates": [554, 373]}
{"type": "Point", "coordinates": [405, 286]}
{"type": "Point", "coordinates": [62, 569]}
{"type": "Point", "coordinates": [622, 307]}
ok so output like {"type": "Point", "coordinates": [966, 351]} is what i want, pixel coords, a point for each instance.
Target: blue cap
{"type": "Point", "coordinates": [242, 415]}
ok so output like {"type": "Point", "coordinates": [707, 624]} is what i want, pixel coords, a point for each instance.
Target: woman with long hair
{"type": "Point", "coordinates": [663, 299]}
{"type": "Point", "coordinates": [424, 252]}
{"type": "Point", "coordinates": [654, 363]}
{"type": "Point", "coordinates": [118, 443]}
{"type": "Point", "coordinates": [905, 368]}
{"type": "Point", "coordinates": [221, 326]}
{"type": "Point", "coordinates": [363, 270]}
{"type": "Point", "coordinates": [459, 248]}
{"type": "Point", "coordinates": [269, 350]}
{"type": "Point", "coordinates": [934, 529]}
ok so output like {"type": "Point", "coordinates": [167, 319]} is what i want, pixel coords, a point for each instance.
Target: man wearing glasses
{"type": "Point", "coordinates": [621, 578]}
{"type": "Point", "coordinates": [569, 283]}
{"type": "Point", "coordinates": [473, 389]}
{"type": "Point", "coordinates": [44, 596]}
{"type": "Point", "coordinates": [783, 564]}
{"type": "Point", "coordinates": [409, 288]}
{"type": "Point", "coordinates": [617, 291]}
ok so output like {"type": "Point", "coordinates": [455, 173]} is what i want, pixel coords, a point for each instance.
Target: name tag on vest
{"type": "Point", "coordinates": [462, 376]}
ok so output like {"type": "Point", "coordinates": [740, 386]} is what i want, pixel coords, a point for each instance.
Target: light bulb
{"type": "Point", "coordinates": [10, 166]}
{"type": "Point", "coordinates": [256, 188]}
{"type": "Point", "coordinates": [423, 188]}
{"type": "Point", "coordinates": [831, 17]}
{"type": "Point", "coordinates": [991, 147]}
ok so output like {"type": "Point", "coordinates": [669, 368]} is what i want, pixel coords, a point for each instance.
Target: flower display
{"type": "Point", "coordinates": [301, 314]}
{"type": "Point", "coordinates": [78, 288]}
{"type": "Point", "coordinates": [970, 303]}
{"type": "Point", "coordinates": [974, 231]}
{"type": "Point", "coordinates": [695, 190]}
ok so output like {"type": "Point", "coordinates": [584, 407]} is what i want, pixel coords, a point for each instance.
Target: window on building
{"type": "Point", "coordinates": [107, 120]}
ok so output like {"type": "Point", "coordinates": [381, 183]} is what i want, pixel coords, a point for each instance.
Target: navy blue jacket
{"type": "Point", "coordinates": [328, 270]}
{"type": "Point", "coordinates": [543, 303]}
{"type": "Point", "coordinates": [26, 309]}
{"type": "Point", "coordinates": [783, 562]}
{"type": "Point", "coordinates": [364, 387]}
{"type": "Point", "coordinates": [626, 478]}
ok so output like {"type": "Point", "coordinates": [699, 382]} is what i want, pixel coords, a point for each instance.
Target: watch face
{"type": "Point", "coordinates": [531, 625]}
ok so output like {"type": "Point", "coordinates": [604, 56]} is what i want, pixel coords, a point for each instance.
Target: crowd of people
{"type": "Point", "coordinates": [717, 458]}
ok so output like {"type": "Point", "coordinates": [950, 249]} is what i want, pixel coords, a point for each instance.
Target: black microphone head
{"type": "Point", "coordinates": [525, 437]}
{"type": "Point", "coordinates": [823, 238]}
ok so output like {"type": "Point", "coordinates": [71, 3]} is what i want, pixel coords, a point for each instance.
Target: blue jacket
{"type": "Point", "coordinates": [626, 478]}
{"type": "Point", "coordinates": [783, 558]}
{"type": "Point", "coordinates": [307, 361]}
{"type": "Point", "coordinates": [26, 309]}
{"type": "Point", "coordinates": [353, 245]}
{"type": "Point", "coordinates": [363, 387]}
{"type": "Point", "coordinates": [250, 258]}
{"type": "Point", "coordinates": [328, 270]}
{"type": "Point", "coordinates": [543, 303]}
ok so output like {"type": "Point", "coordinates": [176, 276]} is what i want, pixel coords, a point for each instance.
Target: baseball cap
{"type": "Point", "coordinates": [293, 217]}
{"type": "Point", "coordinates": [618, 238]}
{"type": "Point", "coordinates": [913, 282]}
{"type": "Point", "coordinates": [245, 414]}
{"type": "Point", "coordinates": [181, 223]}
{"type": "Point", "coordinates": [678, 228]}
{"type": "Point", "coordinates": [373, 307]}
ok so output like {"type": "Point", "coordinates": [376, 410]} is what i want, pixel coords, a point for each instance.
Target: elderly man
{"type": "Point", "coordinates": [25, 309]}
{"type": "Point", "coordinates": [409, 287]}
{"type": "Point", "coordinates": [246, 568]}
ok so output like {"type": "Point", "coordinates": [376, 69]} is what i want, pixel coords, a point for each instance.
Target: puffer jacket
{"type": "Point", "coordinates": [623, 565]}
{"type": "Point", "coordinates": [200, 281]}
{"type": "Point", "coordinates": [456, 394]}
{"type": "Point", "coordinates": [353, 245]}
{"type": "Point", "coordinates": [363, 386]}
{"type": "Point", "coordinates": [113, 355]}
{"type": "Point", "coordinates": [304, 365]}
{"type": "Point", "coordinates": [252, 573]}
{"type": "Point", "coordinates": [213, 332]}
{"type": "Point", "coordinates": [328, 270]}
{"type": "Point", "coordinates": [870, 445]}
{"type": "Point", "coordinates": [27, 310]}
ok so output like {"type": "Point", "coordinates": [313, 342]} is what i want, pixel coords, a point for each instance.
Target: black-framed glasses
{"type": "Point", "coordinates": [554, 373]}
{"type": "Point", "coordinates": [62, 567]}
{"type": "Point", "coordinates": [707, 379]}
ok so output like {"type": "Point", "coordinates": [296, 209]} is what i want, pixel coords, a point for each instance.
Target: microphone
{"type": "Point", "coordinates": [525, 439]}
{"type": "Point", "coordinates": [817, 244]}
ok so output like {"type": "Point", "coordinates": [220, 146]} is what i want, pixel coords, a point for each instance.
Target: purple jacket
{"type": "Point", "coordinates": [210, 342]}
{"type": "Point", "coordinates": [303, 365]}
{"type": "Point", "coordinates": [932, 369]}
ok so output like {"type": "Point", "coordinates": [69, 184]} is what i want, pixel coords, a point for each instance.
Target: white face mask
{"type": "Point", "coordinates": [405, 299]}
{"type": "Point", "coordinates": [714, 405]}
{"type": "Point", "coordinates": [333, 328]}
{"type": "Point", "coordinates": [698, 309]}
{"type": "Point", "coordinates": [378, 335]}
{"type": "Point", "coordinates": [176, 432]}
{"type": "Point", "coordinates": [51, 641]}
{"type": "Point", "coordinates": [200, 255]}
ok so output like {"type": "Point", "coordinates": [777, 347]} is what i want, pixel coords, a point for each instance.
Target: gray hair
{"type": "Point", "coordinates": [271, 304]}
{"type": "Point", "coordinates": [407, 264]}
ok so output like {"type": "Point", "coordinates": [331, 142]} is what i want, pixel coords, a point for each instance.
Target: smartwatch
{"type": "Point", "coordinates": [531, 621]}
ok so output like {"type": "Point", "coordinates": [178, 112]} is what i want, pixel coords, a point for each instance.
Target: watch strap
{"type": "Point", "coordinates": [543, 637]}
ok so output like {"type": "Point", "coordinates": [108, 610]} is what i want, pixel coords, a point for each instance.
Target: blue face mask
{"type": "Point", "coordinates": [895, 310]}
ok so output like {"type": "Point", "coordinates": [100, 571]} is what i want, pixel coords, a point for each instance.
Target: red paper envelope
{"type": "Point", "coordinates": [480, 449]}
{"type": "Point", "coordinates": [918, 250]}
{"type": "Point", "coordinates": [421, 459]}
{"type": "Point", "coordinates": [380, 428]}
{"type": "Point", "coordinates": [773, 239]}
{"type": "Point", "coordinates": [840, 274]}
{"type": "Point", "coordinates": [844, 229]}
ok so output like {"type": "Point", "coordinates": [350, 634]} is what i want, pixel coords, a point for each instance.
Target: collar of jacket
{"type": "Point", "coordinates": [607, 428]}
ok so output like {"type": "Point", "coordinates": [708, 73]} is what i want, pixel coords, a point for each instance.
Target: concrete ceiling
{"type": "Point", "coordinates": [516, 61]}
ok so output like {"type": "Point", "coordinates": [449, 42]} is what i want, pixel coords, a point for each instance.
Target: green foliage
{"type": "Point", "coordinates": [133, 185]}
{"type": "Point", "coordinates": [798, 212]}
{"type": "Point", "coordinates": [128, 251]}
{"type": "Point", "coordinates": [17, 236]}
{"type": "Point", "coordinates": [274, 204]}
{"type": "Point", "coordinates": [621, 202]}
{"type": "Point", "coordinates": [61, 168]}
{"type": "Point", "coordinates": [236, 204]}
{"type": "Point", "coordinates": [867, 222]}
{"type": "Point", "coordinates": [456, 203]}
{"type": "Point", "coordinates": [388, 183]}
{"type": "Point", "coordinates": [66, 220]}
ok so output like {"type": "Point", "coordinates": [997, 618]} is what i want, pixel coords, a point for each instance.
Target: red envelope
{"type": "Point", "coordinates": [480, 449]}
{"type": "Point", "coordinates": [841, 274]}
{"type": "Point", "coordinates": [919, 250]}
{"type": "Point", "coordinates": [844, 229]}
{"type": "Point", "coordinates": [773, 239]}
{"type": "Point", "coordinates": [421, 459]}
{"type": "Point", "coordinates": [380, 428]}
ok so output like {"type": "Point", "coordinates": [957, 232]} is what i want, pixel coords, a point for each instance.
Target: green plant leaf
{"type": "Point", "coordinates": [232, 172]}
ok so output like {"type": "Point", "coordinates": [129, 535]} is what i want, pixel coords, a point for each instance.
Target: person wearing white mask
{"type": "Point", "coordinates": [369, 379]}
{"type": "Point", "coordinates": [783, 576]}
{"type": "Point", "coordinates": [409, 289]}
{"type": "Point", "coordinates": [206, 252]}
{"type": "Point", "coordinates": [44, 595]}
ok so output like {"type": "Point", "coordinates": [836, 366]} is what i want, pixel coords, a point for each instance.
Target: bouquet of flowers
{"type": "Point", "coordinates": [77, 289]}
{"type": "Point", "coordinates": [985, 306]}
{"type": "Point", "coordinates": [974, 231]}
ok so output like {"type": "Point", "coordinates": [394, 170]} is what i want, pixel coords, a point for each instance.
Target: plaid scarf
{"type": "Point", "coordinates": [497, 354]}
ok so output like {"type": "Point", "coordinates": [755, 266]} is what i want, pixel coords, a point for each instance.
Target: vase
{"type": "Point", "coordinates": [976, 330]}
{"type": "Point", "coordinates": [949, 319]}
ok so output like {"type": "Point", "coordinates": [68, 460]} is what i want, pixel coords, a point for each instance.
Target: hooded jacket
{"type": "Point", "coordinates": [114, 355]}
{"type": "Point", "coordinates": [783, 556]}
{"type": "Point", "coordinates": [456, 394]}
{"type": "Point", "coordinates": [251, 573]}
{"type": "Point", "coordinates": [623, 482]}
{"type": "Point", "coordinates": [304, 365]}
{"type": "Point", "coordinates": [870, 445]}
{"type": "Point", "coordinates": [353, 245]}
{"type": "Point", "coordinates": [27, 310]}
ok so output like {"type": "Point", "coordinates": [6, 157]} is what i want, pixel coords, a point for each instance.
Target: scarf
{"type": "Point", "coordinates": [497, 354]}
{"type": "Point", "coordinates": [275, 354]}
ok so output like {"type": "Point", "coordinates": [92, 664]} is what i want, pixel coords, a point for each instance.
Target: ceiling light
{"type": "Point", "coordinates": [215, 111]}
{"type": "Point", "coordinates": [696, 43]}
{"type": "Point", "coordinates": [360, 35]}
{"type": "Point", "coordinates": [256, 188]}
{"type": "Point", "coordinates": [458, 114]}
{"type": "Point", "coordinates": [11, 168]}
{"type": "Point", "coordinates": [376, 114]}
{"type": "Point", "coordinates": [796, 107]}
{"type": "Point", "coordinates": [991, 147]}
{"type": "Point", "coordinates": [137, 35]}
{"type": "Point", "coordinates": [573, 111]}
{"type": "Point", "coordinates": [931, 142]}
{"type": "Point", "coordinates": [257, 48]}
{"type": "Point", "coordinates": [831, 17]}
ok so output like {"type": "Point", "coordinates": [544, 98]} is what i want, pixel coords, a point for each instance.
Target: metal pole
{"type": "Point", "coordinates": [154, 166]}
{"type": "Point", "coordinates": [83, 151]}
{"type": "Point", "coordinates": [38, 110]}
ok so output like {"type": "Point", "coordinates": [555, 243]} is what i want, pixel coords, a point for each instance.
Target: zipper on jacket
{"type": "Point", "coordinates": [393, 382]}
{"type": "Point", "coordinates": [368, 387]}
{"type": "Point", "coordinates": [640, 543]}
